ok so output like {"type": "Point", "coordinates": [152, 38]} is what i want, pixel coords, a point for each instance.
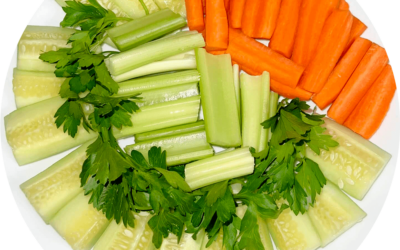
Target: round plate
{"type": "Point", "coordinates": [50, 14]}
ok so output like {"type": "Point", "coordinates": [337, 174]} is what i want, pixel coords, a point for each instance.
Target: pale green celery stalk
{"type": "Point", "coordinates": [273, 106]}
{"type": "Point", "coordinates": [167, 132]}
{"type": "Point", "coordinates": [145, 29]}
{"type": "Point", "coordinates": [218, 168]}
{"type": "Point", "coordinates": [236, 81]}
{"type": "Point", "coordinates": [153, 51]}
{"type": "Point", "coordinates": [140, 85]}
{"type": "Point", "coordinates": [109, 42]}
{"type": "Point", "coordinates": [181, 149]}
{"type": "Point", "coordinates": [255, 92]}
{"type": "Point", "coordinates": [218, 99]}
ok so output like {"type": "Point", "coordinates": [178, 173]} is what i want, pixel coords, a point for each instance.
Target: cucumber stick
{"type": "Point", "coordinates": [354, 165]}
{"type": "Point", "coordinates": [79, 223]}
{"type": "Point", "coordinates": [334, 213]}
{"type": "Point", "coordinates": [218, 168]}
{"type": "Point", "coordinates": [186, 242]}
{"type": "Point", "coordinates": [38, 39]}
{"type": "Point", "coordinates": [167, 132]}
{"type": "Point", "coordinates": [53, 188]}
{"type": "Point", "coordinates": [154, 51]}
{"type": "Point", "coordinates": [180, 149]}
{"type": "Point", "coordinates": [218, 99]}
{"type": "Point", "coordinates": [145, 29]}
{"type": "Point", "coordinates": [255, 92]}
{"type": "Point", "coordinates": [32, 134]}
{"type": "Point", "coordinates": [291, 232]}
{"type": "Point", "coordinates": [30, 87]}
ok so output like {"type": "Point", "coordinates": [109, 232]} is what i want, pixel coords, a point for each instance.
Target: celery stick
{"type": "Point", "coordinates": [180, 149]}
{"type": "Point", "coordinates": [218, 99]}
{"type": "Point", "coordinates": [154, 51]}
{"type": "Point", "coordinates": [273, 106]}
{"type": "Point", "coordinates": [159, 81]}
{"type": "Point", "coordinates": [255, 91]}
{"type": "Point", "coordinates": [145, 29]}
{"type": "Point", "coordinates": [218, 168]}
{"type": "Point", "coordinates": [236, 81]}
{"type": "Point", "coordinates": [166, 132]}
{"type": "Point", "coordinates": [109, 42]}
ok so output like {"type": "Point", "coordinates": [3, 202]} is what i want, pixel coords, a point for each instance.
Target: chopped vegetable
{"type": "Point", "coordinates": [342, 73]}
{"type": "Point", "coordinates": [236, 13]}
{"type": "Point", "coordinates": [333, 39]}
{"type": "Point", "coordinates": [185, 242]}
{"type": "Point", "coordinates": [236, 82]}
{"type": "Point", "coordinates": [273, 108]}
{"type": "Point", "coordinates": [343, 5]}
{"type": "Point", "coordinates": [289, 92]}
{"type": "Point", "coordinates": [357, 30]}
{"type": "Point", "coordinates": [177, 6]}
{"type": "Point", "coordinates": [367, 117]}
{"type": "Point", "coordinates": [195, 17]}
{"type": "Point", "coordinates": [217, 29]}
{"type": "Point", "coordinates": [362, 79]}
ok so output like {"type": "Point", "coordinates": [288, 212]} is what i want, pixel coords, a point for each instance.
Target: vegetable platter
{"type": "Point", "coordinates": [49, 13]}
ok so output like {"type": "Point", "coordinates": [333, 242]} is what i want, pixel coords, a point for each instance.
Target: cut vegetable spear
{"type": "Point", "coordinates": [186, 242]}
{"type": "Point", "coordinates": [218, 99]}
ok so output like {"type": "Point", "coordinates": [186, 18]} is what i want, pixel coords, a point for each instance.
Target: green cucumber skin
{"type": "Point", "coordinates": [218, 99]}
{"type": "Point", "coordinates": [167, 132]}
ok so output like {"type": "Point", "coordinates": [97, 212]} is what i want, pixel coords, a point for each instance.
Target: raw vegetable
{"type": "Point", "coordinates": [313, 14]}
{"type": "Point", "coordinates": [79, 223]}
{"type": "Point", "coordinates": [289, 92]}
{"type": "Point", "coordinates": [154, 51]}
{"type": "Point", "coordinates": [195, 17]}
{"type": "Point", "coordinates": [53, 188]}
{"type": "Point", "coordinates": [181, 149]}
{"type": "Point", "coordinates": [282, 40]}
{"type": "Point", "coordinates": [260, 18]}
{"type": "Point", "coordinates": [255, 92]}
{"type": "Point", "coordinates": [171, 131]}
{"type": "Point", "coordinates": [273, 108]}
{"type": "Point", "coordinates": [219, 168]}
{"type": "Point", "coordinates": [30, 87]}
{"type": "Point", "coordinates": [354, 165]}
{"type": "Point", "coordinates": [362, 79]}
{"type": "Point", "coordinates": [236, 82]}
{"type": "Point", "coordinates": [343, 5]}
{"type": "Point", "coordinates": [357, 30]}
{"type": "Point", "coordinates": [220, 111]}
{"type": "Point", "coordinates": [145, 29]}
{"type": "Point", "coordinates": [370, 112]}
{"type": "Point", "coordinates": [333, 39]}
{"type": "Point", "coordinates": [236, 13]}
{"type": "Point", "coordinates": [38, 39]}
{"type": "Point", "coordinates": [217, 29]}
{"type": "Point", "coordinates": [182, 62]}
{"type": "Point", "coordinates": [334, 213]}
{"type": "Point", "coordinates": [177, 6]}
{"type": "Point", "coordinates": [217, 243]}
{"type": "Point", "coordinates": [342, 73]}
{"type": "Point", "coordinates": [186, 242]}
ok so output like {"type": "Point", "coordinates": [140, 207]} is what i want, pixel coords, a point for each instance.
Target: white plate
{"type": "Point", "coordinates": [387, 138]}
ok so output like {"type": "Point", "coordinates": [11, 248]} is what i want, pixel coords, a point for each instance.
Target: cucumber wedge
{"type": "Point", "coordinates": [180, 149]}
{"type": "Point", "coordinates": [79, 223]}
{"type": "Point", "coordinates": [39, 39]}
{"type": "Point", "coordinates": [334, 213]}
{"type": "Point", "coordinates": [186, 242]}
{"type": "Point", "coordinates": [177, 6]}
{"type": "Point", "coordinates": [32, 87]}
{"type": "Point", "coordinates": [291, 232]}
{"type": "Point", "coordinates": [53, 188]}
{"type": "Point", "coordinates": [167, 132]}
{"type": "Point", "coordinates": [354, 165]}
{"type": "Point", "coordinates": [117, 236]}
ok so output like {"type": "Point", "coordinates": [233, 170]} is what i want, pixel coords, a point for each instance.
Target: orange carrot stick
{"type": "Point", "coordinates": [334, 38]}
{"type": "Point", "coordinates": [357, 30]}
{"type": "Point", "coordinates": [216, 25]}
{"type": "Point", "coordinates": [289, 92]}
{"type": "Point", "coordinates": [260, 18]}
{"type": "Point", "coordinates": [343, 5]}
{"type": "Point", "coordinates": [370, 112]}
{"type": "Point", "coordinates": [195, 16]}
{"type": "Point", "coordinates": [227, 4]}
{"type": "Point", "coordinates": [204, 6]}
{"type": "Point", "coordinates": [282, 40]}
{"type": "Point", "coordinates": [217, 52]}
{"type": "Point", "coordinates": [236, 13]}
{"type": "Point", "coordinates": [342, 73]}
{"type": "Point", "coordinates": [313, 14]}
{"type": "Point", "coordinates": [363, 77]}
{"type": "Point", "coordinates": [252, 54]}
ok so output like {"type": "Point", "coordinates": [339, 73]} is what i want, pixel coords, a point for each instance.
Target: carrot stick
{"type": "Point", "coordinates": [342, 73]}
{"type": "Point", "coordinates": [217, 52]}
{"type": "Point", "coordinates": [227, 4]}
{"type": "Point", "coordinates": [195, 16]}
{"type": "Point", "coordinates": [363, 77]}
{"type": "Point", "coordinates": [289, 92]}
{"type": "Point", "coordinates": [357, 30]}
{"type": "Point", "coordinates": [313, 14]}
{"type": "Point", "coordinates": [216, 25]}
{"type": "Point", "coordinates": [334, 38]}
{"type": "Point", "coordinates": [252, 54]}
{"type": "Point", "coordinates": [204, 6]}
{"type": "Point", "coordinates": [343, 5]}
{"type": "Point", "coordinates": [282, 40]}
{"type": "Point", "coordinates": [236, 13]}
{"type": "Point", "coordinates": [370, 112]}
{"type": "Point", "coordinates": [260, 18]}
